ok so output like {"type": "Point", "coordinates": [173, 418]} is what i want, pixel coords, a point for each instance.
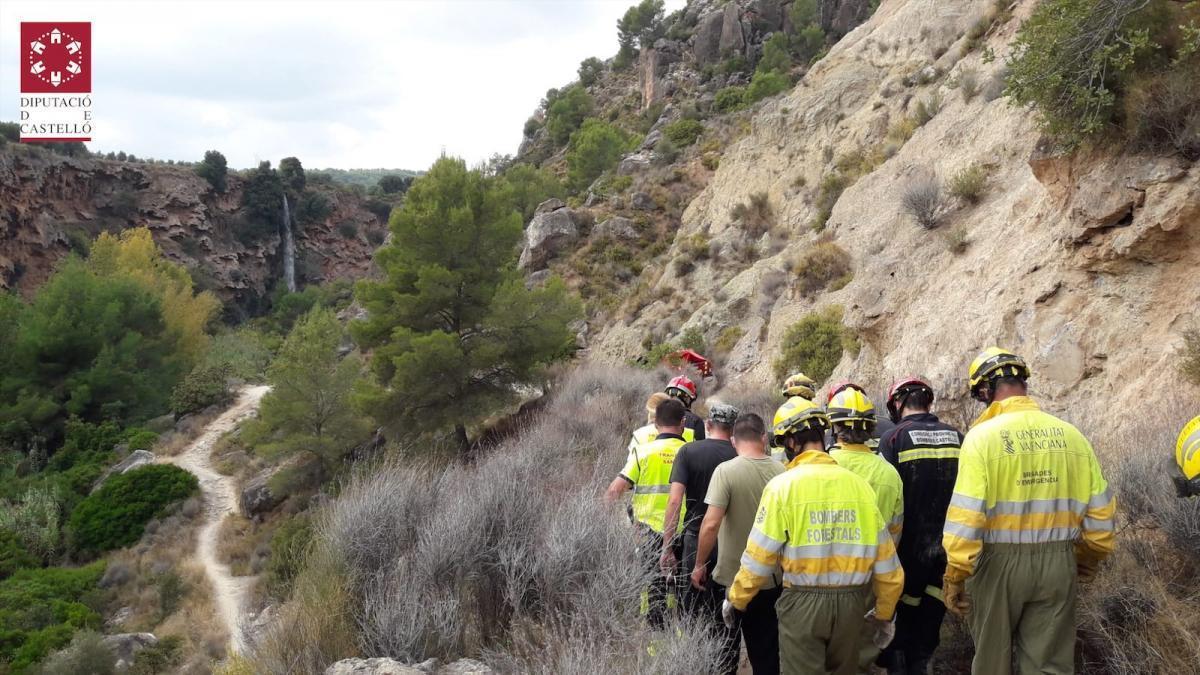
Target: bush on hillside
{"type": "Point", "coordinates": [312, 207]}
{"type": "Point", "coordinates": [40, 610]}
{"type": "Point", "coordinates": [262, 202]}
{"type": "Point", "coordinates": [243, 353]}
{"type": "Point", "coordinates": [923, 200]}
{"type": "Point", "coordinates": [1073, 60]}
{"type": "Point", "coordinates": [590, 70]}
{"type": "Point", "coordinates": [510, 576]}
{"type": "Point", "coordinates": [567, 113]}
{"type": "Point", "coordinates": [1162, 112]}
{"type": "Point", "coordinates": [213, 169]}
{"type": "Point", "coordinates": [14, 555]}
{"type": "Point", "coordinates": [36, 521]}
{"type": "Point", "coordinates": [683, 132]}
{"type": "Point", "coordinates": [927, 108]}
{"type": "Point", "coordinates": [755, 215]}
{"type": "Point", "coordinates": [530, 186]}
{"type": "Point", "coordinates": [86, 655]}
{"type": "Point", "coordinates": [970, 184]}
{"type": "Point", "coordinates": [730, 98]}
{"type": "Point", "coordinates": [595, 148]}
{"type": "Point", "coordinates": [10, 131]}
{"type": "Point", "coordinates": [115, 515]}
{"type": "Point", "coordinates": [765, 85]}
{"type": "Point", "coordinates": [289, 553]}
{"type": "Point", "coordinates": [203, 387]}
{"type": "Point", "coordinates": [776, 55]}
{"type": "Point", "coordinates": [814, 345]}
{"type": "Point", "coordinates": [824, 265]}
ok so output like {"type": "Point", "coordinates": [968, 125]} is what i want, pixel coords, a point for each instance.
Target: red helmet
{"type": "Point", "coordinates": [683, 388]}
{"type": "Point", "coordinates": [900, 390]}
{"type": "Point", "coordinates": [837, 387]}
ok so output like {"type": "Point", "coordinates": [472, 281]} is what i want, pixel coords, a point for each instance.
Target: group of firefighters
{"type": "Point", "coordinates": [834, 540]}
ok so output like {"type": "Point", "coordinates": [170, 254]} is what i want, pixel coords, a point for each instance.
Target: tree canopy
{"type": "Point", "coordinates": [452, 326]}
{"type": "Point", "coordinates": [213, 169]}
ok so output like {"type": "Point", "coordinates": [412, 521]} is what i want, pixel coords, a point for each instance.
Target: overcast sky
{"type": "Point", "coordinates": [337, 84]}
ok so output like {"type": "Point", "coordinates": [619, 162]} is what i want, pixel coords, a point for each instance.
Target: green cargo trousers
{"type": "Point", "coordinates": [819, 629]}
{"type": "Point", "coordinates": [1023, 596]}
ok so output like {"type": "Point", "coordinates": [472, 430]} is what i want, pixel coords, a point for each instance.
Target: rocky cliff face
{"type": "Point", "coordinates": [1085, 263]}
{"type": "Point", "coordinates": [51, 204]}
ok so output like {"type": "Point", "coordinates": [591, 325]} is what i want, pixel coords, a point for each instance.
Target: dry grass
{"type": "Point", "coordinates": [969, 185]}
{"type": "Point", "coordinates": [532, 577]}
{"type": "Point", "coordinates": [244, 545]}
{"type": "Point", "coordinates": [824, 265]}
{"type": "Point", "coordinates": [923, 200]}
{"type": "Point", "coordinates": [755, 215]}
{"type": "Point", "coordinates": [957, 238]}
{"type": "Point", "coordinates": [187, 429]}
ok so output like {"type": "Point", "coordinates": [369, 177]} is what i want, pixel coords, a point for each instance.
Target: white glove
{"type": "Point", "coordinates": [727, 614]}
{"type": "Point", "coordinates": [885, 631]}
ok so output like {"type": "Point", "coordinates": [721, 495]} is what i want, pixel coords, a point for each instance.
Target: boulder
{"type": "Point", "coordinates": [125, 646]}
{"type": "Point", "coordinates": [376, 666]}
{"type": "Point", "coordinates": [256, 495]}
{"type": "Point", "coordinates": [651, 140]}
{"type": "Point", "coordinates": [551, 230]}
{"type": "Point", "coordinates": [617, 227]}
{"type": "Point", "coordinates": [537, 279]}
{"type": "Point", "coordinates": [652, 66]}
{"type": "Point", "coordinates": [132, 461]}
{"type": "Point", "coordinates": [465, 667]}
{"type": "Point", "coordinates": [842, 16]}
{"type": "Point", "coordinates": [637, 162]}
{"type": "Point", "coordinates": [768, 14]}
{"type": "Point", "coordinates": [161, 424]}
{"type": "Point", "coordinates": [706, 49]}
{"type": "Point", "coordinates": [732, 37]}
{"type": "Point", "coordinates": [642, 201]}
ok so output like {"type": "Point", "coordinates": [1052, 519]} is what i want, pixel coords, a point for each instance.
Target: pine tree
{"type": "Point", "coordinates": [453, 329]}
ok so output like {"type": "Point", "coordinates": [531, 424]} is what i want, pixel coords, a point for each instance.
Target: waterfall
{"type": "Point", "coordinates": [289, 249]}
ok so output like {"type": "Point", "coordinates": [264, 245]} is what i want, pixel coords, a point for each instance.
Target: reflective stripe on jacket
{"type": "Point", "coordinates": [648, 470]}
{"type": "Point", "coordinates": [643, 435]}
{"type": "Point", "coordinates": [881, 476]}
{"type": "Point", "coordinates": [1026, 477]}
{"type": "Point", "coordinates": [820, 521]}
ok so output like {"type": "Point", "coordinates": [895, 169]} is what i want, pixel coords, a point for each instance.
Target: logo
{"type": "Point", "coordinates": [1008, 443]}
{"type": "Point", "coordinates": [57, 58]}
{"type": "Point", "coordinates": [56, 81]}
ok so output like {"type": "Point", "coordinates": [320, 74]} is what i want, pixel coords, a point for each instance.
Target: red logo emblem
{"type": "Point", "coordinates": [56, 58]}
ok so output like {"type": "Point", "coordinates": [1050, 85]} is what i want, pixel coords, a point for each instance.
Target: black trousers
{"type": "Point", "coordinates": [918, 621]}
{"type": "Point", "coordinates": [650, 549]}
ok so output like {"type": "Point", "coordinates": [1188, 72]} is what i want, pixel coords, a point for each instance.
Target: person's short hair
{"type": "Point", "coordinates": [805, 436]}
{"type": "Point", "coordinates": [652, 404]}
{"type": "Point", "coordinates": [919, 399]}
{"type": "Point", "coordinates": [852, 435]}
{"type": "Point", "coordinates": [669, 413]}
{"type": "Point", "coordinates": [1008, 380]}
{"type": "Point", "coordinates": [749, 427]}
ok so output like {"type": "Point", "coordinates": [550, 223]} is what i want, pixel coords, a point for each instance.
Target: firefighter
{"type": "Point", "coordinates": [1187, 457]}
{"type": "Point", "coordinates": [683, 389]}
{"type": "Point", "coordinates": [882, 426]}
{"type": "Point", "coordinates": [821, 522]}
{"type": "Point", "coordinates": [645, 434]}
{"type": "Point", "coordinates": [924, 451]}
{"type": "Point", "coordinates": [852, 416]}
{"type": "Point", "coordinates": [800, 385]}
{"type": "Point", "coordinates": [1031, 516]}
{"type": "Point", "coordinates": [648, 473]}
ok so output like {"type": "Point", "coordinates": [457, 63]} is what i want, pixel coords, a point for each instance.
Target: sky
{"type": "Point", "coordinates": [352, 84]}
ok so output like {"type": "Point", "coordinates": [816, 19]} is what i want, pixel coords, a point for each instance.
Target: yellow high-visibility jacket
{"type": "Point", "coordinates": [1026, 477]}
{"type": "Point", "coordinates": [881, 476]}
{"type": "Point", "coordinates": [648, 470]}
{"type": "Point", "coordinates": [820, 521]}
{"type": "Point", "coordinates": [643, 435]}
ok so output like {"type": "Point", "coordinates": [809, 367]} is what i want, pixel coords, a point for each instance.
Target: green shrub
{"type": "Point", "coordinates": [815, 345]}
{"type": "Point", "coordinates": [213, 169]}
{"type": "Point", "coordinates": [379, 208]}
{"type": "Point", "coordinates": [40, 609]}
{"type": "Point", "coordinates": [313, 207]}
{"type": "Point", "coordinates": [262, 202]}
{"type": "Point", "coordinates": [10, 131]}
{"type": "Point", "coordinates": [1162, 112]}
{"type": "Point", "coordinates": [532, 125]}
{"type": "Point", "coordinates": [572, 106]}
{"type": "Point", "coordinates": [728, 339]}
{"type": "Point", "coordinates": [1072, 59]}
{"type": "Point", "coordinates": [765, 85]}
{"type": "Point", "coordinates": [683, 132]}
{"type": "Point", "coordinates": [809, 43]}
{"type": "Point", "coordinates": [289, 550]}
{"type": "Point", "coordinates": [1189, 356]}
{"type": "Point", "coordinates": [927, 108]}
{"type": "Point", "coordinates": [203, 387]}
{"type": "Point", "coordinates": [970, 184]}
{"type": "Point", "coordinates": [14, 555]}
{"type": "Point", "coordinates": [86, 655]}
{"type": "Point", "coordinates": [832, 186]}
{"type": "Point", "coordinates": [531, 186]}
{"type": "Point", "coordinates": [595, 148]}
{"type": "Point", "coordinates": [730, 98]}
{"type": "Point", "coordinates": [115, 515]}
{"type": "Point", "coordinates": [824, 265]}
{"type": "Point", "coordinates": [171, 591]}
{"type": "Point", "coordinates": [243, 353]}
{"type": "Point", "coordinates": [776, 56]}
{"type": "Point", "coordinates": [665, 152]}
{"type": "Point", "coordinates": [347, 230]}
{"type": "Point", "coordinates": [158, 658]}
{"type": "Point", "coordinates": [36, 521]}
{"type": "Point", "coordinates": [590, 70]}
{"type": "Point", "coordinates": [968, 84]}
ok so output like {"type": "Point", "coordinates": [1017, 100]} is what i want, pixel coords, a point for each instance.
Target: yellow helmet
{"type": "Point", "coordinates": [796, 414]}
{"type": "Point", "coordinates": [800, 385]}
{"type": "Point", "coordinates": [994, 362]}
{"type": "Point", "coordinates": [1187, 449]}
{"type": "Point", "coordinates": [852, 408]}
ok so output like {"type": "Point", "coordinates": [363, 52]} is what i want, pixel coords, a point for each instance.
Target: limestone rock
{"type": "Point", "coordinates": [375, 666]}
{"type": "Point", "coordinates": [132, 461]}
{"type": "Point", "coordinates": [617, 227]}
{"type": "Point", "coordinates": [733, 38]}
{"type": "Point", "coordinates": [707, 46]}
{"type": "Point", "coordinates": [635, 163]}
{"type": "Point", "coordinates": [465, 667]}
{"type": "Point", "coordinates": [551, 230]}
{"type": "Point", "coordinates": [125, 646]}
{"type": "Point", "coordinates": [642, 201]}
{"type": "Point", "coordinates": [256, 495]}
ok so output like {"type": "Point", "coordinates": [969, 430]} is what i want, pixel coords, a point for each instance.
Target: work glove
{"type": "Point", "coordinates": [884, 630]}
{"type": "Point", "coordinates": [729, 614]}
{"type": "Point", "coordinates": [955, 596]}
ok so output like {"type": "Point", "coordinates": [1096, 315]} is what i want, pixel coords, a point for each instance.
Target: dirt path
{"type": "Point", "coordinates": [220, 499]}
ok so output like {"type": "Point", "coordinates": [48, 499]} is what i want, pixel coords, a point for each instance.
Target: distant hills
{"type": "Point", "coordinates": [364, 177]}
